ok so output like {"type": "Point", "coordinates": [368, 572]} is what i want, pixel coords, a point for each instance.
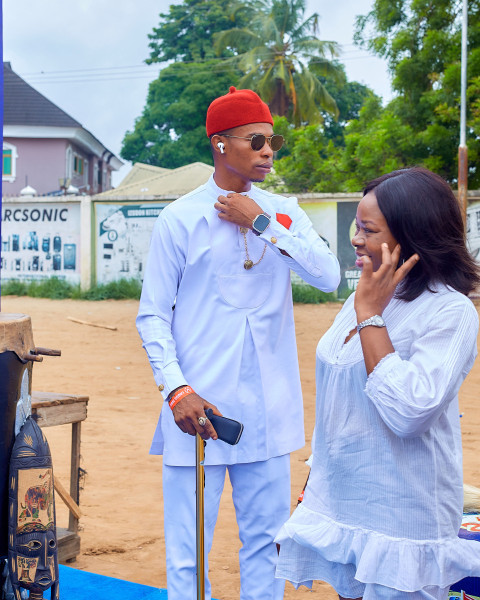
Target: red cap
{"type": "Point", "coordinates": [238, 107]}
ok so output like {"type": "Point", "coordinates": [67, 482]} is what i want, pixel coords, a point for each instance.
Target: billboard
{"type": "Point", "coordinates": [350, 274]}
{"type": "Point", "coordinates": [40, 240]}
{"type": "Point", "coordinates": [122, 238]}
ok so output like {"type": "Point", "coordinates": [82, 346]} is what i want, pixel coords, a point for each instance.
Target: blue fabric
{"type": "Point", "coordinates": [470, 585]}
{"type": "Point", "coordinates": [81, 585]}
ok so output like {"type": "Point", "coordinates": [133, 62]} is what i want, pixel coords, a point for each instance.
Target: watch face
{"type": "Point", "coordinates": [260, 223]}
{"type": "Point", "coordinates": [377, 320]}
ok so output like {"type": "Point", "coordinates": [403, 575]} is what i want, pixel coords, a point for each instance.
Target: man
{"type": "Point", "coordinates": [222, 256]}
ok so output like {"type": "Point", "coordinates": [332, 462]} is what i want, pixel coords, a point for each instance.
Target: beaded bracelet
{"type": "Point", "coordinates": [186, 390]}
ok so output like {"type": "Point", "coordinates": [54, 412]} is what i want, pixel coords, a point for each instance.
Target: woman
{"type": "Point", "coordinates": [383, 504]}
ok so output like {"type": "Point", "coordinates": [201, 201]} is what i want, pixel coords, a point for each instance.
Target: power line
{"type": "Point", "coordinates": [143, 65]}
{"type": "Point", "coordinates": [104, 74]}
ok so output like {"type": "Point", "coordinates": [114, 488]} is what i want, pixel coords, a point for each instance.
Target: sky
{"type": "Point", "coordinates": [88, 56]}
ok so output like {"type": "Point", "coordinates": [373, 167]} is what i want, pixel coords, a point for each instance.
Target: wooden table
{"type": "Point", "coordinates": [59, 409]}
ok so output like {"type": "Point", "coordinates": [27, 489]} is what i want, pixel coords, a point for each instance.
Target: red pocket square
{"type": "Point", "coordinates": [284, 220]}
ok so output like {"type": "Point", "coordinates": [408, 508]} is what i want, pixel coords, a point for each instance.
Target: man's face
{"type": "Point", "coordinates": [241, 161]}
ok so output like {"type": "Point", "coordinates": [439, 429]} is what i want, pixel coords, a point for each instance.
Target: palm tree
{"type": "Point", "coordinates": [282, 58]}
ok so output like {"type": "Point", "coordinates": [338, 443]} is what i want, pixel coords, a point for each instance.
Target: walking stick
{"type": "Point", "coordinates": [229, 431]}
{"type": "Point", "coordinates": [200, 472]}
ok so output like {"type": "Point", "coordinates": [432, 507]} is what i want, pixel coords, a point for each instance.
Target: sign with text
{"type": "Point", "coordinates": [40, 240]}
{"type": "Point", "coordinates": [122, 239]}
{"type": "Point", "coordinates": [346, 212]}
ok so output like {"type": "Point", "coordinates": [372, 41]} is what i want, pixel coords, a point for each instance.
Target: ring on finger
{"type": "Point", "coordinates": [202, 421]}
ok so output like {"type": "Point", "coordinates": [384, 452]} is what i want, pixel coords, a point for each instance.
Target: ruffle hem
{"type": "Point", "coordinates": [399, 563]}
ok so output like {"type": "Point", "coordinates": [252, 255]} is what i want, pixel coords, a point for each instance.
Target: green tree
{"type": "Point", "coordinates": [171, 130]}
{"type": "Point", "coordinates": [305, 166]}
{"type": "Point", "coordinates": [185, 33]}
{"type": "Point", "coordinates": [420, 40]}
{"type": "Point", "coordinates": [377, 142]}
{"type": "Point", "coordinates": [281, 58]}
{"type": "Point", "coordinates": [349, 96]}
{"type": "Point", "coordinates": [313, 157]}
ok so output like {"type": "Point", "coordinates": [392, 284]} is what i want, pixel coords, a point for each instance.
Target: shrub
{"type": "Point", "coordinates": [115, 290]}
{"type": "Point", "coordinates": [123, 289]}
{"type": "Point", "coordinates": [307, 294]}
{"type": "Point", "coordinates": [58, 289]}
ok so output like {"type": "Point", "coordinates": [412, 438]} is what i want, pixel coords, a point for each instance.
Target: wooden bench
{"type": "Point", "coordinates": [60, 409]}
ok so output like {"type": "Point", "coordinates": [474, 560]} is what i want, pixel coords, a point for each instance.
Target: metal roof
{"type": "Point", "coordinates": [149, 181]}
{"type": "Point", "coordinates": [23, 105]}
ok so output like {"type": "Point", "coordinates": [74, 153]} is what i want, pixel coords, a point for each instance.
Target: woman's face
{"type": "Point", "coordinates": [371, 232]}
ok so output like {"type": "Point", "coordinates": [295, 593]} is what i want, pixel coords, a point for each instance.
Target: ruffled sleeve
{"type": "Point", "coordinates": [411, 392]}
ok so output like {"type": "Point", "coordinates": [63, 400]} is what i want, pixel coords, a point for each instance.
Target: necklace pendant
{"type": "Point", "coordinates": [248, 264]}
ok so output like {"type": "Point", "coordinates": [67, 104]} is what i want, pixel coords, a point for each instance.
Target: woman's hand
{"type": "Point", "coordinates": [375, 289]}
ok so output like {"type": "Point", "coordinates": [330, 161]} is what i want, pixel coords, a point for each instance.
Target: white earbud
{"type": "Point", "coordinates": [221, 146]}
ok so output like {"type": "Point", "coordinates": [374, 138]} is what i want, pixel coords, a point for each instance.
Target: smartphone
{"type": "Point", "coordinates": [228, 430]}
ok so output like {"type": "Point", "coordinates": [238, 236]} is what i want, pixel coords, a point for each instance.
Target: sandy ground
{"type": "Point", "coordinates": [121, 530]}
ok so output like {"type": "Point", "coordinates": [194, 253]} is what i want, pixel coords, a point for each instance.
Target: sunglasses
{"type": "Point", "coordinates": [257, 141]}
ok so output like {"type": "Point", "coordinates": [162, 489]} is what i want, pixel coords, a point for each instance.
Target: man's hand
{"type": "Point", "coordinates": [237, 209]}
{"type": "Point", "coordinates": [186, 414]}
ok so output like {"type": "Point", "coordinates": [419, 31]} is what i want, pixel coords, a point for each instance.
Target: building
{"type": "Point", "coordinates": [148, 181]}
{"type": "Point", "coordinates": [47, 149]}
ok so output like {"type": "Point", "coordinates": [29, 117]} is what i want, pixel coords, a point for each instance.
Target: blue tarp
{"type": "Point", "coordinates": [82, 585]}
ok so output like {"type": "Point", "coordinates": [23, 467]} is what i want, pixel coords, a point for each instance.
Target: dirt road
{"type": "Point", "coordinates": [121, 497]}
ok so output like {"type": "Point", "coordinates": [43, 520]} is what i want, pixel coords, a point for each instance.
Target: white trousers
{"type": "Point", "coordinates": [261, 497]}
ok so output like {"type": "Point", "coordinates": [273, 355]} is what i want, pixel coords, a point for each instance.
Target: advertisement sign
{"type": "Point", "coordinates": [473, 229]}
{"type": "Point", "coordinates": [346, 212]}
{"type": "Point", "coordinates": [323, 216]}
{"type": "Point", "coordinates": [123, 234]}
{"type": "Point", "coordinates": [40, 240]}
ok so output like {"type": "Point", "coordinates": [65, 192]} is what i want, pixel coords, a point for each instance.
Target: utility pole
{"type": "Point", "coordinates": [462, 149]}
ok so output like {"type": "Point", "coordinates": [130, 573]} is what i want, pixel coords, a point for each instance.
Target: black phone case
{"type": "Point", "coordinates": [228, 430]}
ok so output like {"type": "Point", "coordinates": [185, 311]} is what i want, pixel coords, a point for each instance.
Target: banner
{"type": "Point", "coordinates": [122, 238]}
{"type": "Point", "coordinates": [40, 240]}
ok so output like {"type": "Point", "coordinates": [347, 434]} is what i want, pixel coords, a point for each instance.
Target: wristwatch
{"type": "Point", "coordinates": [376, 321]}
{"type": "Point", "coordinates": [260, 223]}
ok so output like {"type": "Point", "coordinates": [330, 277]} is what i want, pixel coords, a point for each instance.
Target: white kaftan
{"type": "Point", "coordinates": [385, 491]}
{"type": "Point", "coordinates": [231, 335]}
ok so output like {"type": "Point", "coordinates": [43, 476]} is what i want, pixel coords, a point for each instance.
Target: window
{"type": "Point", "coordinates": [78, 165]}
{"type": "Point", "coordinates": [9, 162]}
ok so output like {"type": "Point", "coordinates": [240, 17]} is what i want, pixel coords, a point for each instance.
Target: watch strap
{"type": "Point", "coordinates": [374, 321]}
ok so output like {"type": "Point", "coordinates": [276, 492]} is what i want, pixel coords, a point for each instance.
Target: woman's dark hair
{"type": "Point", "coordinates": [424, 217]}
